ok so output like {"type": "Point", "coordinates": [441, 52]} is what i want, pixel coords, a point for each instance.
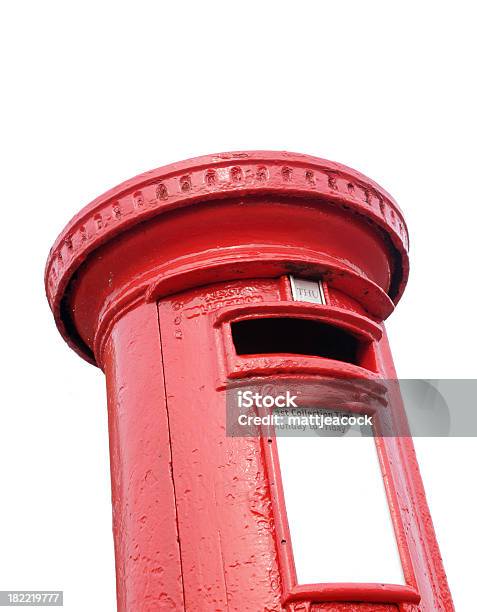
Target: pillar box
{"type": "Point", "coordinates": [188, 279]}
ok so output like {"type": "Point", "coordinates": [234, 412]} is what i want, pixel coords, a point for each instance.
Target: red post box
{"type": "Point", "coordinates": [202, 274]}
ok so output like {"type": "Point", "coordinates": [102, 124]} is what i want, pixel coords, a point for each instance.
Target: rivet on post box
{"type": "Point", "coordinates": [214, 276]}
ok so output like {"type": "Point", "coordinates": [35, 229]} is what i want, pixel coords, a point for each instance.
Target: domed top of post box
{"type": "Point", "coordinates": [241, 177]}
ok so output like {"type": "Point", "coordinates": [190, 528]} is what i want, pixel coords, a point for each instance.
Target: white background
{"type": "Point", "coordinates": [95, 92]}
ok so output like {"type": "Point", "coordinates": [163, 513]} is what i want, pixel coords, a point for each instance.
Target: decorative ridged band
{"type": "Point", "coordinates": [210, 177]}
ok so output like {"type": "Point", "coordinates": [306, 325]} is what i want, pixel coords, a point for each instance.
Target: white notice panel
{"type": "Point", "coordinates": [337, 510]}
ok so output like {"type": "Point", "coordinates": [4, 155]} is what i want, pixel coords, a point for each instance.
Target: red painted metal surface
{"type": "Point", "coordinates": [145, 282]}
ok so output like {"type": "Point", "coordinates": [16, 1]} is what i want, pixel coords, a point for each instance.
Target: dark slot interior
{"type": "Point", "coordinates": [294, 336]}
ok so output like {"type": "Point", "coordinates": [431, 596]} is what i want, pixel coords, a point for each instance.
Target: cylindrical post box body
{"type": "Point", "coordinates": [211, 275]}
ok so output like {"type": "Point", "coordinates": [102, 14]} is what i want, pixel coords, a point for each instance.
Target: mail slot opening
{"type": "Point", "coordinates": [296, 336]}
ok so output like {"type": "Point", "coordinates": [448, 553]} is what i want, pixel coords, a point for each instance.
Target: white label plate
{"type": "Point", "coordinates": [307, 290]}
